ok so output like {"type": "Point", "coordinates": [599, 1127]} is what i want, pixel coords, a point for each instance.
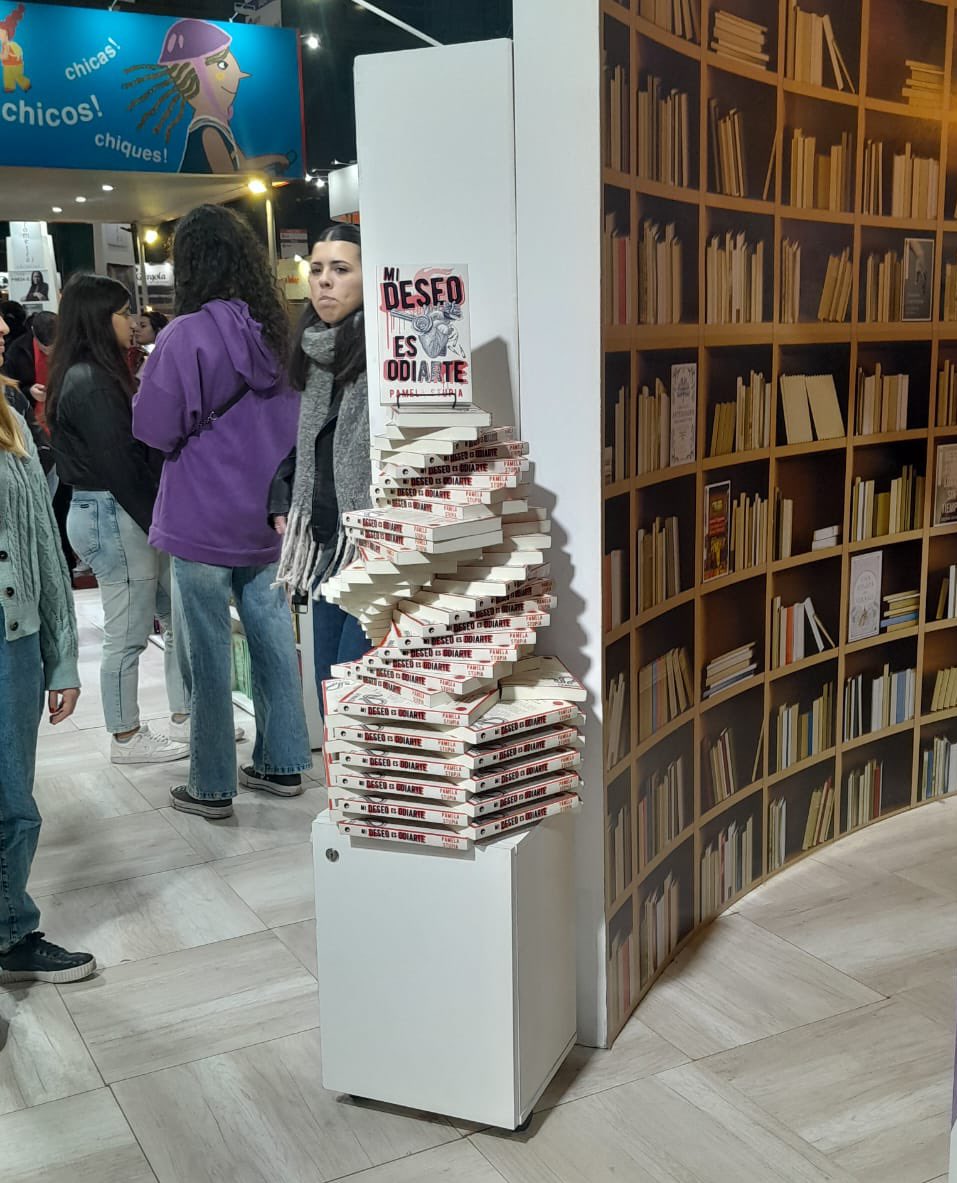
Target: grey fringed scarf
{"type": "Point", "coordinates": [302, 563]}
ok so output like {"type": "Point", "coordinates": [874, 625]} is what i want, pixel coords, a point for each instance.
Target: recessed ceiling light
{"type": "Point", "coordinates": [256, 186]}
{"type": "Point", "coordinates": [311, 41]}
{"type": "Point", "coordinates": [57, 209]}
{"type": "Point", "coordinates": [81, 200]}
{"type": "Point", "coordinates": [107, 188]}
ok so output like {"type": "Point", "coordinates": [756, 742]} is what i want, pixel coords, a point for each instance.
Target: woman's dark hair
{"type": "Point", "coordinates": [350, 359]}
{"type": "Point", "coordinates": [216, 256]}
{"type": "Point", "coordinates": [85, 333]}
{"type": "Point", "coordinates": [43, 325]}
{"type": "Point", "coordinates": [36, 277]}
{"type": "Point", "coordinates": [16, 317]}
{"type": "Point", "coordinates": [157, 320]}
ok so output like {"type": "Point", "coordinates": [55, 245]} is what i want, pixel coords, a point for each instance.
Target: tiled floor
{"type": "Point", "coordinates": [807, 1037]}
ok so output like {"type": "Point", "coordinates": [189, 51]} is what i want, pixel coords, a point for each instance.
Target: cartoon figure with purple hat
{"type": "Point", "coordinates": [198, 71]}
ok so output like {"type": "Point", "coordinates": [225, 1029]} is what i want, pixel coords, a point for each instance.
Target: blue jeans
{"type": "Point", "coordinates": [336, 637]}
{"type": "Point", "coordinates": [134, 581]}
{"type": "Point", "coordinates": [201, 609]}
{"type": "Point", "coordinates": [21, 707]}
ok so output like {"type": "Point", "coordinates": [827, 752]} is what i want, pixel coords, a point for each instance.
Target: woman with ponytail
{"type": "Point", "coordinates": [38, 655]}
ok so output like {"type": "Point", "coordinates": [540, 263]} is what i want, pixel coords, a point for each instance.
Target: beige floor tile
{"type": "Point", "coordinates": [883, 936]}
{"type": "Point", "coordinates": [934, 990]}
{"type": "Point", "coordinates": [154, 781]}
{"type": "Point", "coordinates": [300, 939]}
{"type": "Point", "coordinates": [898, 843]}
{"type": "Point", "coordinates": [64, 750]}
{"type": "Point", "coordinates": [107, 850]}
{"type": "Point", "coordinates": [638, 1052]}
{"type": "Point", "coordinates": [69, 799]}
{"type": "Point", "coordinates": [645, 1132]}
{"type": "Point", "coordinates": [42, 1057]}
{"type": "Point", "coordinates": [83, 1138]}
{"type": "Point", "coordinates": [457, 1162]}
{"type": "Point", "coordinates": [936, 874]}
{"type": "Point", "coordinates": [259, 822]}
{"type": "Point", "coordinates": [871, 1089]}
{"type": "Point", "coordinates": [276, 884]}
{"type": "Point", "coordinates": [169, 1010]}
{"type": "Point", "coordinates": [734, 985]}
{"type": "Point", "coordinates": [149, 916]}
{"type": "Point", "coordinates": [261, 1115]}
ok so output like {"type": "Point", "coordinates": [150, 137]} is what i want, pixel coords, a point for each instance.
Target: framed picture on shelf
{"type": "Point", "coordinates": [917, 278]}
{"type": "Point", "coordinates": [945, 486]}
{"type": "Point", "coordinates": [717, 530]}
{"type": "Point", "coordinates": [864, 600]}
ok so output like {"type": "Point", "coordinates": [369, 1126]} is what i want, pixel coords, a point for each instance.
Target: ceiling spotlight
{"type": "Point", "coordinates": [150, 237]}
{"type": "Point", "coordinates": [311, 41]}
{"type": "Point", "coordinates": [107, 188]}
{"type": "Point", "coordinates": [57, 209]}
{"type": "Point", "coordinates": [320, 182]}
{"type": "Point", "coordinates": [81, 200]}
{"type": "Point", "coordinates": [256, 186]}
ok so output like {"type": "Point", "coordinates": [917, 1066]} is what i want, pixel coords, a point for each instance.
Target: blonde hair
{"type": "Point", "coordinates": [11, 437]}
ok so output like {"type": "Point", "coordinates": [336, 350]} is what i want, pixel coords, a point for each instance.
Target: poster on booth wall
{"type": "Point", "coordinates": [425, 350]}
{"type": "Point", "coordinates": [91, 89]}
{"type": "Point", "coordinates": [32, 278]}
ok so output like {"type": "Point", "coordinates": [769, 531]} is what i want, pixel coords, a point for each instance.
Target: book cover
{"type": "Point", "coordinates": [684, 403]}
{"type": "Point", "coordinates": [945, 488]}
{"type": "Point", "coordinates": [916, 280]}
{"type": "Point", "coordinates": [717, 519]}
{"type": "Point", "coordinates": [425, 354]}
{"type": "Point", "coordinates": [864, 601]}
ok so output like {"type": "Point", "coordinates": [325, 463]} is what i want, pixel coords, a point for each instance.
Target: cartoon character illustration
{"type": "Point", "coordinates": [11, 55]}
{"type": "Point", "coordinates": [197, 71]}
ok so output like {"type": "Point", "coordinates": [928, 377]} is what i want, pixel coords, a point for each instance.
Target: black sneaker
{"type": "Point", "coordinates": [35, 960]}
{"type": "Point", "coordinates": [211, 808]}
{"type": "Point", "coordinates": [282, 786]}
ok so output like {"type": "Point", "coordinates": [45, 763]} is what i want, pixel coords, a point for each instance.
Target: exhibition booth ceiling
{"type": "Point", "coordinates": [32, 194]}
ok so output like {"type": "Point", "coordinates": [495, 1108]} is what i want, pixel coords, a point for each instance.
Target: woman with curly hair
{"type": "Point", "coordinates": [214, 398]}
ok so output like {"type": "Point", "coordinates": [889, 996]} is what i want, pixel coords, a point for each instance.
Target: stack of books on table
{"type": "Point", "coordinates": [742, 40]}
{"type": "Point", "coordinates": [938, 768]}
{"type": "Point", "coordinates": [451, 730]}
{"type": "Point", "coordinates": [724, 671]}
{"type": "Point", "coordinates": [825, 537]}
{"type": "Point", "coordinates": [901, 610]}
{"type": "Point", "coordinates": [924, 86]}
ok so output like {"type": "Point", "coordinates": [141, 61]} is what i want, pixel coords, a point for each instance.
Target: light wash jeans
{"type": "Point", "coordinates": [21, 707]}
{"type": "Point", "coordinates": [201, 610]}
{"type": "Point", "coordinates": [336, 637]}
{"type": "Point", "coordinates": [134, 582]}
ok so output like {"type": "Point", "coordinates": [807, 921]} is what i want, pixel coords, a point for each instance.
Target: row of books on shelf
{"type": "Point", "coordinates": [938, 768]}
{"type": "Point", "coordinates": [674, 16]}
{"type": "Point", "coordinates": [728, 156]}
{"type": "Point", "coordinates": [616, 121]}
{"type": "Point", "coordinates": [944, 697]}
{"type": "Point", "coordinates": [664, 142]}
{"type": "Point", "coordinates": [790, 626]}
{"type": "Point", "coordinates": [659, 926]}
{"type": "Point", "coordinates": [881, 402]}
{"type": "Point", "coordinates": [947, 597]}
{"type": "Point", "coordinates": [914, 182]}
{"type": "Point", "coordinates": [617, 720]}
{"type": "Point", "coordinates": [724, 779]}
{"type": "Point", "coordinates": [614, 589]}
{"type": "Point", "coordinates": [665, 690]}
{"type": "Point", "coordinates": [667, 422]}
{"type": "Point", "coordinates": [947, 394]}
{"type": "Point", "coordinates": [736, 531]}
{"type": "Point", "coordinates": [734, 279]}
{"type": "Point", "coordinates": [658, 569]}
{"type": "Point", "coordinates": [615, 455]}
{"type": "Point", "coordinates": [662, 813]}
{"type": "Point", "coordinates": [621, 871]}
{"type": "Point", "coordinates": [821, 180]}
{"type": "Point", "coordinates": [817, 825]}
{"type": "Point", "coordinates": [618, 289]}
{"type": "Point", "coordinates": [727, 866]}
{"type": "Point", "coordinates": [807, 36]}
{"type": "Point", "coordinates": [800, 734]}
{"type": "Point", "coordinates": [807, 395]}
{"type": "Point", "coordinates": [729, 668]}
{"type": "Point", "coordinates": [744, 424]}
{"type": "Point", "coordinates": [835, 298]}
{"type": "Point", "coordinates": [876, 513]}
{"type": "Point", "coordinates": [862, 799]}
{"type": "Point", "coordinates": [659, 274]}
{"type": "Point", "coordinates": [891, 701]}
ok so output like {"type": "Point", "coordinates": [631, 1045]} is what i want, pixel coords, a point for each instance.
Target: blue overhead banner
{"type": "Point", "coordinates": [84, 88]}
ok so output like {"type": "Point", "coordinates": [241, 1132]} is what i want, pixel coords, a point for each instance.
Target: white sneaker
{"type": "Point", "coordinates": [180, 731]}
{"type": "Point", "coordinates": [145, 747]}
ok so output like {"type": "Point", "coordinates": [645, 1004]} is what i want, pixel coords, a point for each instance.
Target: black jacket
{"type": "Point", "coordinates": [325, 504]}
{"type": "Point", "coordinates": [94, 445]}
{"type": "Point", "coordinates": [18, 363]}
{"type": "Point", "coordinates": [19, 401]}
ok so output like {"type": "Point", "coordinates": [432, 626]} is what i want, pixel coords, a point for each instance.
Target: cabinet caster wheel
{"type": "Point", "coordinates": [525, 1124]}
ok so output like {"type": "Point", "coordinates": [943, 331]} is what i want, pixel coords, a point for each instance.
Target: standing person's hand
{"type": "Point", "coordinates": [62, 704]}
{"type": "Point", "coordinates": [279, 523]}
{"type": "Point", "coordinates": [38, 392]}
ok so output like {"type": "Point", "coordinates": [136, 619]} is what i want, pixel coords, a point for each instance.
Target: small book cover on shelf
{"type": "Point", "coordinates": [717, 519]}
{"type": "Point", "coordinates": [684, 402]}
{"type": "Point", "coordinates": [945, 491]}
{"type": "Point", "coordinates": [864, 601]}
{"type": "Point", "coordinates": [424, 341]}
{"type": "Point", "coordinates": [917, 276]}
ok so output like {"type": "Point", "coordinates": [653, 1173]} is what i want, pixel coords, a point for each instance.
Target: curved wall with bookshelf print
{"type": "Point", "coordinates": [779, 187]}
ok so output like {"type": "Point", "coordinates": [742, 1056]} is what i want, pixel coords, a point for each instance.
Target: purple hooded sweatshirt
{"type": "Point", "coordinates": [214, 489]}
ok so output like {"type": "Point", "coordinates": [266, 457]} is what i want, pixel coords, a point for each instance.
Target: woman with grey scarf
{"type": "Point", "coordinates": [329, 473]}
